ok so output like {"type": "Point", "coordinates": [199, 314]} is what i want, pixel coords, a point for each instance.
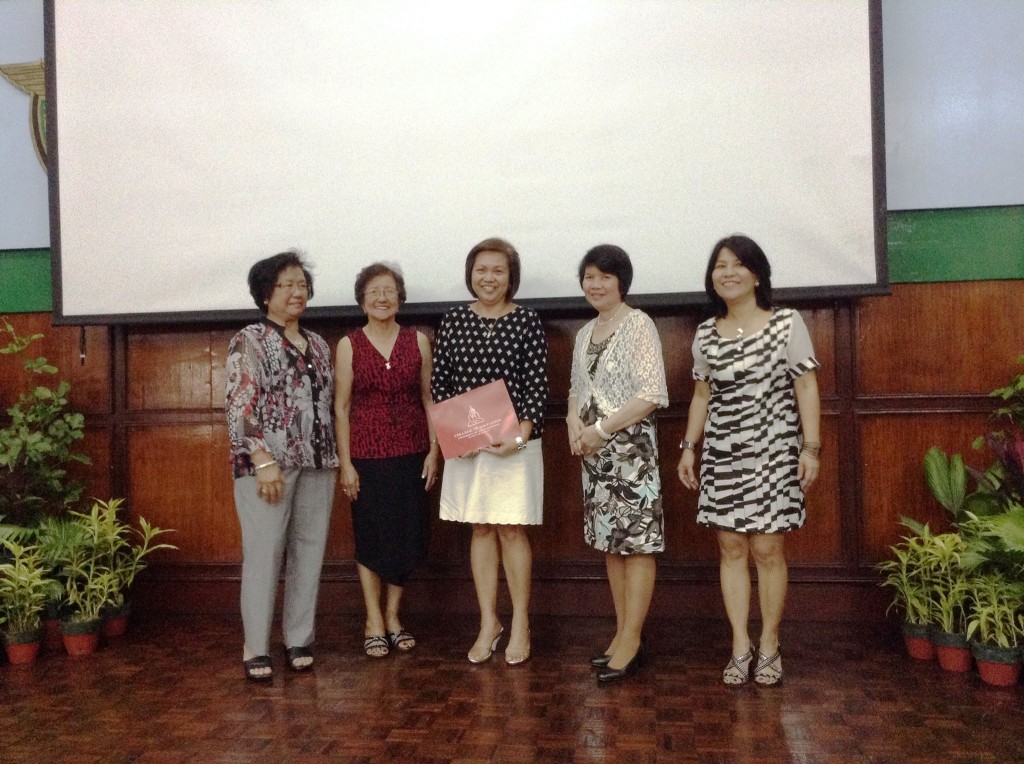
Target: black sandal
{"type": "Point", "coordinates": [379, 644]}
{"type": "Point", "coordinates": [401, 640]}
{"type": "Point", "coordinates": [294, 654]}
{"type": "Point", "coordinates": [253, 665]}
{"type": "Point", "coordinates": [768, 672]}
{"type": "Point", "coordinates": [737, 672]}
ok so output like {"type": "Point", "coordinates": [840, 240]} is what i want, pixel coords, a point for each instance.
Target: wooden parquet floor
{"type": "Point", "coordinates": [173, 692]}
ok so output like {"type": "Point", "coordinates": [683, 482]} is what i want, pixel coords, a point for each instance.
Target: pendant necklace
{"type": "Point", "coordinates": [614, 315]}
{"type": "Point", "coordinates": [489, 324]}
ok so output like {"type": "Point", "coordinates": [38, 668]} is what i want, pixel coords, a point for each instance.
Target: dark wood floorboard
{"type": "Point", "coordinates": [173, 691]}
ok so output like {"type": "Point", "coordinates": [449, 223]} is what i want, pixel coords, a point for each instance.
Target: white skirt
{"type": "Point", "coordinates": [498, 490]}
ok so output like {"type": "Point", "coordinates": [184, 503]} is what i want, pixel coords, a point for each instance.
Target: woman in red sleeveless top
{"type": "Point", "coordinates": [389, 455]}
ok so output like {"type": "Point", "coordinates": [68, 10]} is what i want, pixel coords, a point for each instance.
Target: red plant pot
{"type": "Point", "coordinates": [52, 639]}
{"type": "Point", "coordinates": [917, 638]}
{"type": "Point", "coordinates": [954, 658]}
{"type": "Point", "coordinates": [20, 653]}
{"type": "Point", "coordinates": [81, 645]}
{"type": "Point", "coordinates": [953, 650]}
{"type": "Point", "coordinates": [999, 674]}
{"type": "Point", "coordinates": [998, 666]}
{"type": "Point", "coordinates": [116, 626]}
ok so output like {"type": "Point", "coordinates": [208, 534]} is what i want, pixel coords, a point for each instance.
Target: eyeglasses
{"type": "Point", "coordinates": [291, 286]}
{"type": "Point", "coordinates": [389, 292]}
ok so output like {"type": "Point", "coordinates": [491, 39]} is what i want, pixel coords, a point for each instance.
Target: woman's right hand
{"type": "Point", "coordinates": [575, 427]}
{"type": "Point", "coordinates": [686, 474]}
{"type": "Point", "coordinates": [349, 481]}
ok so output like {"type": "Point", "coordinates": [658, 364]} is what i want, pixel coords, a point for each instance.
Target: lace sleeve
{"type": "Point", "coordinates": [649, 364]}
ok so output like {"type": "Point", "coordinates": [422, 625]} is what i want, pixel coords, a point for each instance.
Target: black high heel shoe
{"type": "Point", "coordinates": [609, 675]}
{"type": "Point", "coordinates": [600, 660]}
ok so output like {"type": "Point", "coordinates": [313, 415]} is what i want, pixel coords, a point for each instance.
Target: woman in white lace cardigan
{"type": "Point", "coordinates": [618, 380]}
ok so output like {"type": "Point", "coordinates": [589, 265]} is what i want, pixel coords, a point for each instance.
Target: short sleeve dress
{"type": "Point", "coordinates": [388, 441]}
{"type": "Point", "coordinates": [469, 351]}
{"type": "Point", "coordinates": [751, 452]}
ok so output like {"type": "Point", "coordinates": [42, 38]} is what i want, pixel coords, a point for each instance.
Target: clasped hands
{"type": "Point", "coordinates": [583, 439]}
{"type": "Point", "coordinates": [505, 447]}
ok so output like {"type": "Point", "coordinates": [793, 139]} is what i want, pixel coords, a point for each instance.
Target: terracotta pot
{"type": "Point", "coordinates": [999, 674]}
{"type": "Point", "coordinates": [918, 642]}
{"type": "Point", "coordinates": [80, 637]}
{"type": "Point", "coordinates": [52, 639]}
{"type": "Point", "coordinates": [115, 626]}
{"type": "Point", "coordinates": [953, 650]}
{"type": "Point", "coordinates": [20, 653]}
{"type": "Point", "coordinates": [998, 666]}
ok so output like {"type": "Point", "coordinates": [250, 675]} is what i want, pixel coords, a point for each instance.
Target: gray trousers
{"type": "Point", "coordinates": [295, 527]}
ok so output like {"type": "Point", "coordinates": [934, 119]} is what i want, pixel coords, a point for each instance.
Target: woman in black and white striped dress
{"type": "Point", "coordinates": [756, 402]}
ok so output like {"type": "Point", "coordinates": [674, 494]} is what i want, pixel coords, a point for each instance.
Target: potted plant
{"type": "Point", "coordinates": [24, 588]}
{"type": "Point", "coordinates": [120, 549]}
{"type": "Point", "coordinates": [907, 575]}
{"type": "Point", "coordinates": [88, 583]}
{"type": "Point", "coordinates": [38, 444]}
{"type": "Point", "coordinates": [950, 590]}
{"type": "Point", "coordinates": [996, 628]}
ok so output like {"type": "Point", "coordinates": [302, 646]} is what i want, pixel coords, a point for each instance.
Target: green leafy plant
{"type": "Point", "coordinates": [37, 446]}
{"type": "Point", "coordinates": [25, 587]}
{"type": "Point", "coordinates": [119, 547]}
{"type": "Point", "coordinates": [949, 583]}
{"type": "Point", "coordinates": [994, 618]}
{"type": "Point", "coordinates": [907, 574]}
{"type": "Point", "coordinates": [995, 543]}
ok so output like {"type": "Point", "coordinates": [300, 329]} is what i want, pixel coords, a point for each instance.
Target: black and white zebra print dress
{"type": "Point", "coordinates": [748, 471]}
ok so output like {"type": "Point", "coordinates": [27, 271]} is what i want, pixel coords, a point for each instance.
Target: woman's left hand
{"type": "Point", "coordinates": [505, 447]}
{"type": "Point", "coordinates": [429, 473]}
{"type": "Point", "coordinates": [589, 441]}
{"type": "Point", "coordinates": [807, 472]}
{"type": "Point", "coordinates": [270, 484]}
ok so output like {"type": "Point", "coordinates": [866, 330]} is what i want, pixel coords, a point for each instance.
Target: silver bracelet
{"type": "Point", "coordinates": [600, 430]}
{"type": "Point", "coordinates": [265, 465]}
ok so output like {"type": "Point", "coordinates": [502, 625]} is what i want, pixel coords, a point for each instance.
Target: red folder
{"type": "Point", "coordinates": [474, 420]}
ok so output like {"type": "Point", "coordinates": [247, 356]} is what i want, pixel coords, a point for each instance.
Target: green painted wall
{"type": "Point", "coordinates": [956, 245]}
{"type": "Point", "coordinates": [25, 281]}
{"type": "Point", "coordinates": [924, 246]}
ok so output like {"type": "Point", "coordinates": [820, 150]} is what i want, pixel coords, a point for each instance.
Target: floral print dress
{"type": "Point", "coordinates": [622, 506]}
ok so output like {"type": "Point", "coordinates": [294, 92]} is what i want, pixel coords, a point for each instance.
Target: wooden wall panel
{"type": "Point", "coordinates": [171, 370]}
{"type": "Point", "coordinates": [892, 476]}
{"type": "Point", "coordinates": [180, 478]}
{"type": "Point", "coordinates": [62, 346]}
{"type": "Point", "coordinates": [98, 476]}
{"type": "Point", "coordinates": [940, 339]}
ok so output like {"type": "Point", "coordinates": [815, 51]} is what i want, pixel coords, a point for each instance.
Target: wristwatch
{"type": "Point", "coordinates": [520, 443]}
{"type": "Point", "coordinates": [685, 444]}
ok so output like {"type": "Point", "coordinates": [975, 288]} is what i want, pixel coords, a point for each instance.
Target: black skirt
{"type": "Point", "coordinates": [391, 519]}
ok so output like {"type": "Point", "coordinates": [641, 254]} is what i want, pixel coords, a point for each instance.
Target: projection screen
{"type": "Point", "coordinates": [193, 138]}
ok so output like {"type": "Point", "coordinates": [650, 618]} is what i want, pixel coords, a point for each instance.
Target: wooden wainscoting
{"type": "Point", "coordinates": [899, 374]}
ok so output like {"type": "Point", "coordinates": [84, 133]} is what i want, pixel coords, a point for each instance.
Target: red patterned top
{"type": "Point", "coordinates": [386, 415]}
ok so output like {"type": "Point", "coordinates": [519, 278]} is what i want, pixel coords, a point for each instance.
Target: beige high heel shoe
{"type": "Point", "coordinates": [494, 646]}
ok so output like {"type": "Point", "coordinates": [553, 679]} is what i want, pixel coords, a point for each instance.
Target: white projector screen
{"type": "Point", "coordinates": [193, 138]}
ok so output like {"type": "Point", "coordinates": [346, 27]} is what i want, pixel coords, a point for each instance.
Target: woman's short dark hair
{"type": "Point", "coordinates": [263, 276]}
{"type": "Point", "coordinates": [753, 259]}
{"type": "Point", "coordinates": [494, 244]}
{"type": "Point", "coordinates": [609, 259]}
{"type": "Point", "coordinates": [372, 271]}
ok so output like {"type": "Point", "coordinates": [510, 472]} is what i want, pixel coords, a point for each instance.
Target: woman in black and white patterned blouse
{"type": "Point", "coordinates": [499, 489]}
{"type": "Point", "coordinates": [755, 400]}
